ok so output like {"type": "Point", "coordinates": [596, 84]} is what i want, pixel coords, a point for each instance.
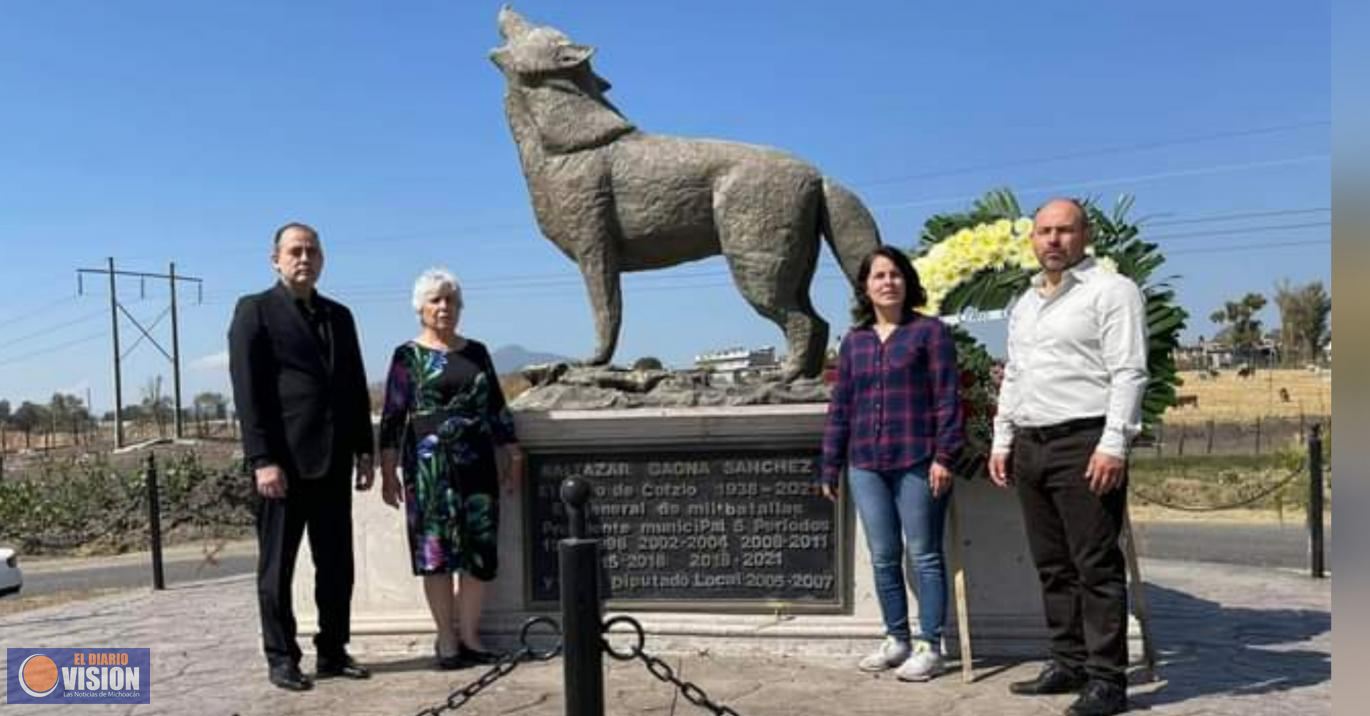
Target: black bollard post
{"type": "Point", "coordinates": [583, 656]}
{"type": "Point", "coordinates": [154, 521]}
{"type": "Point", "coordinates": [1316, 549]}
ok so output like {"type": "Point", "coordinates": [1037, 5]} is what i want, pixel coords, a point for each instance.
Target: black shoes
{"type": "Point", "coordinates": [289, 677]}
{"type": "Point", "coordinates": [1100, 698]}
{"type": "Point", "coordinates": [464, 656]}
{"type": "Point", "coordinates": [343, 665]}
{"type": "Point", "coordinates": [1054, 679]}
{"type": "Point", "coordinates": [477, 656]}
{"type": "Point", "coordinates": [447, 662]}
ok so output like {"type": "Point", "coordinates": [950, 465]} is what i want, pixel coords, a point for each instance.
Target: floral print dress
{"type": "Point", "coordinates": [445, 413]}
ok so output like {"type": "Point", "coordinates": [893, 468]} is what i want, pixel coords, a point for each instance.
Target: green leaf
{"type": "Point", "coordinates": [1115, 236]}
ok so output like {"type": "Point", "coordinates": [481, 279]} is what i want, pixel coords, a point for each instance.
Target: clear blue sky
{"type": "Point", "coordinates": [157, 131]}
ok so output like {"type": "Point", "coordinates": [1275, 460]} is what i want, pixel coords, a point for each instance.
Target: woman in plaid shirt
{"type": "Point", "coordinates": [894, 425]}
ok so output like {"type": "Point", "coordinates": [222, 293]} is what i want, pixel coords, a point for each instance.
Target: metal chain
{"type": "Point", "coordinates": [660, 669]}
{"type": "Point", "coordinates": [502, 668]}
{"type": "Point", "coordinates": [1297, 473]}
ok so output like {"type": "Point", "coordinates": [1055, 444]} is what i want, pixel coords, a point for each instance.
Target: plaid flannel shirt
{"type": "Point", "coordinates": [894, 404]}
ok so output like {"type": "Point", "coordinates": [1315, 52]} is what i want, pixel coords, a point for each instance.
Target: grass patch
{"type": "Point", "coordinates": [87, 505]}
{"type": "Point", "coordinates": [1203, 483]}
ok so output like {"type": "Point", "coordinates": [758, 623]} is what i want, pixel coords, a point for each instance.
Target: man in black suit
{"type": "Point", "coordinates": [300, 392]}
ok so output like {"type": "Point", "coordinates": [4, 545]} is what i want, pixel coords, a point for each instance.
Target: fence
{"type": "Point", "coordinates": [583, 634]}
{"type": "Point", "coordinates": [1312, 472]}
{"type": "Point", "coordinates": [1258, 436]}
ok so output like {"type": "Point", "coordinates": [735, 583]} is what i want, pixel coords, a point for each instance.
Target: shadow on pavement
{"type": "Point", "coordinates": [419, 663]}
{"type": "Point", "coordinates": [1204, 648]}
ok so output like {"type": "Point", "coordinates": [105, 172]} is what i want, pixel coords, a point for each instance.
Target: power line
{"type": "Point", "coordinates": [1240, 230]}
{"type": "Point", "coordinates": [503, 284]}
{"type": "Point", "coordinates": [44, 308]}
{"type": "Point", "coordinates": [1241, 215]}
{"type": "Point", "coordinates": [53, 349]}
{"type": "Point", "coordinates": [1252, 247]}
{"type": "Point", "coordinates": [499, 284]}
{"type": "Point", "coordinates": [500, 227]}
{"type": "Point", "coordinates": [554, 284]}
{"type": "Point", "coordinates": [1199, 171]}
{"type": "Point", "coordinates": [1101, 152]}
{"type": "Point", "coordinates": [48, 330]}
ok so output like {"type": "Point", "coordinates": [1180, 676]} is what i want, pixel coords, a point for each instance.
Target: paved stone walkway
{"type": "Point", "coordinates": [1232, 640]}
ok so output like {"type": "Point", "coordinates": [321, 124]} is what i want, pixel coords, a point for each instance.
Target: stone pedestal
{"type": "Point", "coordinates": [1004, 601]}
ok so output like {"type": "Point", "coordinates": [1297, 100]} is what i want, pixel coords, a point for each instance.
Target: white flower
{"type": "Point", "coordinates": [997, 245]}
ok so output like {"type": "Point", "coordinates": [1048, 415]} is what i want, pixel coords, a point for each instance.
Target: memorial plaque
{"type": "Point", "coordinates": [696, 530]}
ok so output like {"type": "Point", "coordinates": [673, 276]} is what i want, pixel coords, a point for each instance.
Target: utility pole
{"type": "Point", "coordinates": [115, 308]}
{"type": "Point", "coordinates": [175, 352]}
{"type": "Point", "coordinates": [114, 331]}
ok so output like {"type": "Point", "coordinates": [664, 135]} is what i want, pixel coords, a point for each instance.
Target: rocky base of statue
{"type": "Point", "coordinates": [564, 386]}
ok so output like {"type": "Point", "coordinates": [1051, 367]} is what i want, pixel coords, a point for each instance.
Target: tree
{"type": "Point", "coordinates": [131, 414]}
{"type": "Point", "coordinates": [1242, 329]}
{"type": "Point", "coordinates": [209, 406]}
{"type": "Point", "coordinates": [68, 411]}
{"type": "Point", "coordinates": [4, 432]}
{"type": "Point", "coordinates": [1305, 312]}
{"type": "Point", "coordinates": [155, 405]}
{"type": "Point", "coordinates": [28, 417]}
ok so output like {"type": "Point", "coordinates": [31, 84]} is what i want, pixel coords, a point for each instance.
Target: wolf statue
{"type": "Point", "coordinates": [616, 199]}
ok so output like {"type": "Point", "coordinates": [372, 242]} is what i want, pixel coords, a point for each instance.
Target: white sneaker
{"type": "Point", "coordinates": [924, 664]}
{"type": "Point", "coordinates": [891, 653]}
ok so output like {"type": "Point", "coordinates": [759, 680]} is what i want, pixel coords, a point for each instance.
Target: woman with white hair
{"type": "Point", "coordinates": [445, 423]}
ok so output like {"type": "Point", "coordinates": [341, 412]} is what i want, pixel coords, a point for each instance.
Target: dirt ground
{"type": "Point", "coordinates": [1228, 398]}
{"type": "Point", "coordinates": [213, 449]}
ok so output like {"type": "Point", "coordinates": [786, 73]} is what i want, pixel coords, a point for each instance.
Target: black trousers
{"type": "Point", "coordinates": [1073, 536]}
{"type": "Point", "coordinates": [323, 509]}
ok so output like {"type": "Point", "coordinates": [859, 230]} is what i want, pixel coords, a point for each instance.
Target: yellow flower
{"type": "Point", "coordinates": [996, 246]}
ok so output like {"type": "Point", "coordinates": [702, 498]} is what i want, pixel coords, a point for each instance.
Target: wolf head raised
{"type": "Point", "coordinates": [549, 80]}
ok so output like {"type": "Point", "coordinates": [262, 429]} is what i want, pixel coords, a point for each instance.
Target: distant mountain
{"type": "Point", "coordinates": [509, 359]}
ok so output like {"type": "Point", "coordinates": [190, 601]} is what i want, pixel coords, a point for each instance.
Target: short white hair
{"type": "Point", "coordinates": [433, 282]}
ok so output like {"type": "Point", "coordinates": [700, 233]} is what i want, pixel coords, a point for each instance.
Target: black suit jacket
{"type": "Point", "coordinates": [306, 411]}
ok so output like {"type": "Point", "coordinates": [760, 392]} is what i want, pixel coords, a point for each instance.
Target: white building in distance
{"type": "Point", "coordinates": [729, 363]}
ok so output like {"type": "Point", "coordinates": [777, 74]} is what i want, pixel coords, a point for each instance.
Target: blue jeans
{"type": "Point", "coordinates": [896, 507]}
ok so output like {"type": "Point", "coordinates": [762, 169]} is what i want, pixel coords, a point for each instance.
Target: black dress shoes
{"type": "Point", "coordinates": [447, 662]}
{"type": "Point", "coordinates": [1100, 698]}
{"type": "Point", "coordinates": [477, 656]}
{"type": "Point", "coordinates": [1054, 679]}
{"type": "Point", "coordinates": [343, 665]}
{"type": "Point", "coordinates": [289, 677]}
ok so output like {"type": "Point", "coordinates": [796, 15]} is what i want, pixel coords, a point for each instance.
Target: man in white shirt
{"type": "Point", "coordinates": [1069, 406]}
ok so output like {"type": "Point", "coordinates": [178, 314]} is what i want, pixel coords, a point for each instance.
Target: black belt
{"type": "Point", "coordinates": [1047, 433]}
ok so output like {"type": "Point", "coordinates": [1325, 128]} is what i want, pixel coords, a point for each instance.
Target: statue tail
{"type": "Point", "coordinates": [848, 226]}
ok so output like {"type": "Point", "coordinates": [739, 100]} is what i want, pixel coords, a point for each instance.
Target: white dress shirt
{"type": "Point", "coordinates": [1078, 353]}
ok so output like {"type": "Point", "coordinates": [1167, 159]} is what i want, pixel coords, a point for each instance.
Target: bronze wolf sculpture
{"type": "Point", "coordinates": [616, 199]}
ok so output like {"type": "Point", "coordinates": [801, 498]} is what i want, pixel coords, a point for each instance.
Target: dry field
{"type": "Point", "coordinates": [1228, 398]}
